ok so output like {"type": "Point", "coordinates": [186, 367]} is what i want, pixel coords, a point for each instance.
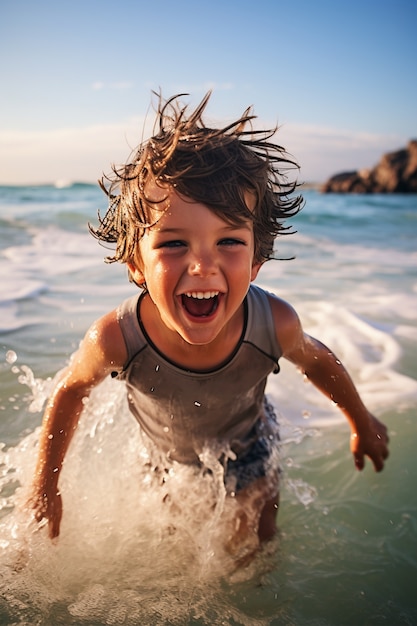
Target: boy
{"type": "Point", "coordinates": [194, 216]}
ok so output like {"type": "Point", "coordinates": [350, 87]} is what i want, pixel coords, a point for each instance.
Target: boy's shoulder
{"type": "Point", "coordinates": [285, 321]}
{"type": "Point", "coordinates": [105, 335]}
{"type": "Point", "coordinates": [282, 310]}
{"type": "Point", "coordinates": [101, 351]}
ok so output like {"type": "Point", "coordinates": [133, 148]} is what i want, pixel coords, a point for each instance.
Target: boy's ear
{"type": "Point", "coordinates": [135, 273]}
{"type": "Point", "coordinates": [255, 269]}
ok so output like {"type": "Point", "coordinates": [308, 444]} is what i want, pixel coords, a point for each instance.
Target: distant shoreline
{"type": "Point", "coordinates": [79, 183]}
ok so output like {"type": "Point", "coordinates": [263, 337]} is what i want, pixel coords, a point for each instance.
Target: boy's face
{"type": "Point", "coordinates": [197, 268]}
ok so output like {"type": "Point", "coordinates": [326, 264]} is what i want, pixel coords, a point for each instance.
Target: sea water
{"type": "Point", "coordinates": [140, 549]}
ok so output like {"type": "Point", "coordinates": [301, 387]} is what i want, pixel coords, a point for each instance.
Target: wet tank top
{"type": "Point", "coordinates": [182, 411]}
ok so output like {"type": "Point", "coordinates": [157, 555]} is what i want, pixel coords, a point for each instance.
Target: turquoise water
{"type": "Point", "coordinates": [133, 553]}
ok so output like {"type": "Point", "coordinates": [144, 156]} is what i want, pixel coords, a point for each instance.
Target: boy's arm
{"type": "Point", "coordinates": [369, 436]}
{"type": "Point", "coordinates": [101, 351]}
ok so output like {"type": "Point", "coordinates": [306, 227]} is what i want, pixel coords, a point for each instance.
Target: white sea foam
{"type": "Point", "coordinates": [370, 354]}
{"type": "Point", "coordinates": [53, 251]}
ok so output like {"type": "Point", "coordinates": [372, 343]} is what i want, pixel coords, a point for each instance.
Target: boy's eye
{"type": "Point", "coordinates": [175, 243]}
{"type": "Point", "coordinates": [231, 241]}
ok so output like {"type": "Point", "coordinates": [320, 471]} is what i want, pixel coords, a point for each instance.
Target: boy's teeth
{"type": "Point", "coordinates": [202, 295]}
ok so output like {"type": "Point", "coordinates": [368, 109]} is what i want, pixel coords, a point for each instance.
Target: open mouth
{"type": "Point", "coordinates": [200, 303]}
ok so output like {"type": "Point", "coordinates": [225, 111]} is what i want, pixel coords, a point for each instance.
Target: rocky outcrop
{"type": "Point", "coordinates": [395, 173]}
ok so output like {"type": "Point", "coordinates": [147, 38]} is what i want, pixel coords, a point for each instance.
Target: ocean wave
{"type": "Point", "coordinates": [36, 196]}
{"type": "Point", "coordinates": [59, 184]}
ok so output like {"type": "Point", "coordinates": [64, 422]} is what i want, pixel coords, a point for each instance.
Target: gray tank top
{"type": "Point", "coordinates": [182, 411]}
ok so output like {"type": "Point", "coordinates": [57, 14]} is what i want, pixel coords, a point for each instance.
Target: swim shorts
{"type": "Point", "coordinates": [260, 459]}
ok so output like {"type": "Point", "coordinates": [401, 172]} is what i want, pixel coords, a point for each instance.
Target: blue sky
{"type": "Point", "coordinates": [339, 77]}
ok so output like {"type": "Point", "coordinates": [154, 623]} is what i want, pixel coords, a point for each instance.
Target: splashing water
{"type": "Point", "coordinates": [138, 543]}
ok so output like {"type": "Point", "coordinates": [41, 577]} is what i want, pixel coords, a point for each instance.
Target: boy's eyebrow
{"type": "Point", "coordinates": [227, 227]}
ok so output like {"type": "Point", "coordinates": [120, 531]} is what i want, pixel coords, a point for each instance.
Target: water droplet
{"type": "Point", "coordinates": [166, 429]}
{"type": "Point", "coordinates": [197, 403]}
{"type": "Point", "coordinates": [11, 356]}
{"type": "Point", "coordinates": [152, 389]}
{"type": "Point", "coordinates": [50, 436]}
{"type": "Point", "coordinates": [157, 368]}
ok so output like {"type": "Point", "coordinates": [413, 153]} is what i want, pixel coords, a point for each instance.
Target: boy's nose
{"type": "Point", "coordinates": [203, 265]}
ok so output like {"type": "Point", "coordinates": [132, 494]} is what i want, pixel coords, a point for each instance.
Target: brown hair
{"type": "Point", "coordinates": [212, 166]}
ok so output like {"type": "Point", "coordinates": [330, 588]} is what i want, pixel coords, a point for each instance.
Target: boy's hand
{"type": "Point", "coordinates": [48, 507]}
{"type": "Point", "coordinates": [372, 441]}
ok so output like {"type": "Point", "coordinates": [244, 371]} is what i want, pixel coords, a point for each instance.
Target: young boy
{"type": "Point", "coordinates": [194, 216]}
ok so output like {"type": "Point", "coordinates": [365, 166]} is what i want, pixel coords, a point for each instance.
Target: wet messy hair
{"type": "Point", "coordinates": [212, 166]}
